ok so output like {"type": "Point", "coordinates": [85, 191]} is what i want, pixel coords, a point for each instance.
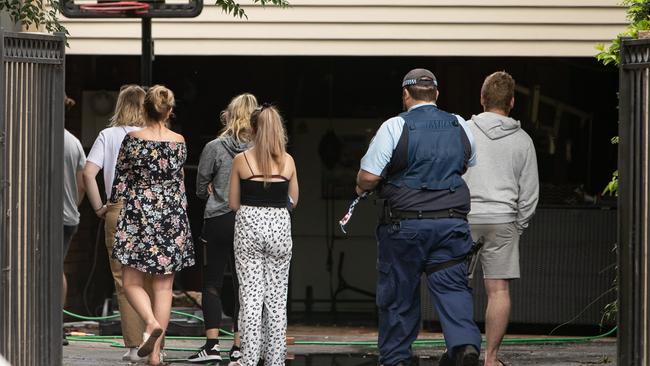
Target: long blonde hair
{"type": "Point", "coordinates": [237, 117]}
{"type": "Point", "coordinates": [270, 139]}
{"type": "Point", "coordinates": [128, 109]}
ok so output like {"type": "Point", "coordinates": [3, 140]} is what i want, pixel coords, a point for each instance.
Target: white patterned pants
{"type": "Point", "coordinates": [262, 257]}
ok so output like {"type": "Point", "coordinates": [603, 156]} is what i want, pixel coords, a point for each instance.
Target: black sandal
{"type": "Point", "coordinates": [149, 342]}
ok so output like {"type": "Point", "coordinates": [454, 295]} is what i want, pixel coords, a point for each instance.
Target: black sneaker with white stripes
{"type": "Point", "coordinates": [206, 354]}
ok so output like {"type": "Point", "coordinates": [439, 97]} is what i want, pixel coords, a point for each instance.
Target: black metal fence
{"type": "Point", "coordinates": [31, 231]}
{"type": "Point", "coordinates": [634, 205]}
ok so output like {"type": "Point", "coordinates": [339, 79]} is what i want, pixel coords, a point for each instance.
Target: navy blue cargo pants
{"type": "Point", "coordinates": [404, 250]}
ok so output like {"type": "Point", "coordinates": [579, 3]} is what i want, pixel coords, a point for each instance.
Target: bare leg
{"type": "Point", "coordinates": [237, 339]}
{"type": "Point", "coordinates": [212, 333]}
{"type": "Point", "coordinates": [133, 282]}
{"type": "Point", "coordinates": [64, 290]}
{"type": "Point", "coordinates": [162, 306]}
{"type": "Point", "coordinates": [496, 317]}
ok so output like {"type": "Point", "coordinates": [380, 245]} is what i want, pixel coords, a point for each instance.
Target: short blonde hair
{"type": "Point", "coordinates": [237, 117]}
{"type": "Point", "coordinates": [128, 109]}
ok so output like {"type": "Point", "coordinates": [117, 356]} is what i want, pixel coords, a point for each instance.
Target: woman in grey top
{"type": "Point", "coordinates": [213, 184]}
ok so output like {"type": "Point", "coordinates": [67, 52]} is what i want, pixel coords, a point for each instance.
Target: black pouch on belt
{"type": "Point", "coordinates": [383, 210]}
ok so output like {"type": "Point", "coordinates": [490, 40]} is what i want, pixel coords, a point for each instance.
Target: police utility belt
{"type": "Point", "coordinates": [388, 215]}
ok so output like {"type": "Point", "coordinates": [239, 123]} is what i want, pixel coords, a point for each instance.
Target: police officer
{"type": "Point", "coordinates": [415, 162]}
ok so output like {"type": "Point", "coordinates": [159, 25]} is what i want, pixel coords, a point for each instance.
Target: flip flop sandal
{"type": "Point", "coordinates": [149, 342]}
{"type": "Point", "coordinates": [502, 363]}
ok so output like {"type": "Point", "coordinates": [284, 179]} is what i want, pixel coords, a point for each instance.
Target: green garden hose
{"type": "Point", "coordinates": [422, 342]}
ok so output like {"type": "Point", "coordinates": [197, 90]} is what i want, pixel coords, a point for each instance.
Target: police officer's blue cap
{"type": "Point", "coordinates": [422, 77]}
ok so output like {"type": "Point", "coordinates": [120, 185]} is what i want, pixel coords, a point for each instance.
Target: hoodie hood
{"type": "Point", "coordinates": [496, 126]}
{"type": "Point", "coordinates": [234, 146]}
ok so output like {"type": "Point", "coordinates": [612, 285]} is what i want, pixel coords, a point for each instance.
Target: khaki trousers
{"type": "Point", "coordinates": [132, 324]}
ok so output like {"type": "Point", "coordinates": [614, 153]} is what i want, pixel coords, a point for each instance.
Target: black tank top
{"type": "Point", "coordinates": [261, 194]}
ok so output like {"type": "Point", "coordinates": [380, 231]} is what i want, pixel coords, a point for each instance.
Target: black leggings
{"type": "Point", "coordinates": [218, 240]}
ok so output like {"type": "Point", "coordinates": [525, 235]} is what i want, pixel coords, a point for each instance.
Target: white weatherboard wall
{"type": "Point", "coordinates": [369, 28]}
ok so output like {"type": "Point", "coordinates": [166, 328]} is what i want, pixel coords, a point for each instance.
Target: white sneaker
{"type": "Point", "coordinates": [234, 356]}
{"type": "Point", "coordinates": [132, 355]}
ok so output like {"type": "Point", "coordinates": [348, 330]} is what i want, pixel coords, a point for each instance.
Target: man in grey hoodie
{"type": "Point", "coordinates": [504, 188]}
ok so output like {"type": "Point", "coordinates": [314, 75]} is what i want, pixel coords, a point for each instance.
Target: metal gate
{"type": "Point", "coordinates": [31, 231]}
{"type": "Point", "coordinates": [634, 207]}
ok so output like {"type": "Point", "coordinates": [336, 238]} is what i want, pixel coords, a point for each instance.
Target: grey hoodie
{"type": "Point", "coordinates": [504, 184]}
{"type": "Point", "coordinates": [214, 167]}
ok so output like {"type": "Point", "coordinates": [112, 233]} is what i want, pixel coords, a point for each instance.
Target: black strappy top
{"type": "Point", "coordinates": [256, 193]}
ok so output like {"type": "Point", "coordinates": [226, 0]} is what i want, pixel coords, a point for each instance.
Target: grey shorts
{"type": "Point", "coordinates": [68, 233]}
{"type": "Point", "coordinates": [499, 256]}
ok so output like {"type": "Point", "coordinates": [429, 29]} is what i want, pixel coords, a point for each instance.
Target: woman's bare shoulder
{"type": "Point", "coordinates": [289, 158]}
{"type": "Point", "coordinates": [238, 158]}
{"type": "Point", "coordinates": [136, 133]}
{"type": "Point", "coordinates": [176, 137]}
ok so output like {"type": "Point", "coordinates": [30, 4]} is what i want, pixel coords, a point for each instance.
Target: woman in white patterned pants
{"type": "Point", "coordinates": [263, 238]}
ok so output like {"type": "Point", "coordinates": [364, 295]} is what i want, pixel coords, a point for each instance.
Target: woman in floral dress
{"type": "Point", "coordinates": [153, 232]}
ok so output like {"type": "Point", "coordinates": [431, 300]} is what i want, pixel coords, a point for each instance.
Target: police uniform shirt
{"type": "Point", "coordinates": [382, 155]}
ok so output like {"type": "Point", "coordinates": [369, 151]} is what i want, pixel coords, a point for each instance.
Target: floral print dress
{"type": "Point", "coordinates": [153, 232]}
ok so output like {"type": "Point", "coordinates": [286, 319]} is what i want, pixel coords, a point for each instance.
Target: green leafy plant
{"type": "Point", "coordinates": [638, 13]}
{"type": "Point", "coordinates": [37, 13]}
{"type": "Point", "coordinates": [234, 8]}
{"type": "Point", "coordinates": [30, 13]}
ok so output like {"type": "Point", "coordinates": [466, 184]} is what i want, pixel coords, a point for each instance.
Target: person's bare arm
{"type": "Point", "coordinates": [81, 187]}
{"type": "Point", "coordinates": [234, 193]}
{"type": "Point", "coordinates": [89, 174]}
{"type": "Point", "coordinates": [294, 192]}
{"type": "Point", "coordinates": [366, 181]}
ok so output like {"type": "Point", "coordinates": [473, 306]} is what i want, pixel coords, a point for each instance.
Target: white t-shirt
{"type": "Point", "coordinates": [105, 150]}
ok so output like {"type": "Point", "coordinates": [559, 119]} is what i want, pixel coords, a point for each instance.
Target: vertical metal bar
{"type": "Point", "coordinates": [29, 204]}
{"type": "Point", "coordinates": [3, 241]}
{"type": "Point", "coordinates": [146, 61]}
{"type": "Point", "coordinates": [42, 165]}
{"type": "Point", "coordinates": [24, 265]}
{"type": "Point", "coordinates": [14, 184]}
{"type": "Point", "coordinates": [41, 276]}
{"type": "Point", "coordinates": [625, 269]}
{"type": "Point", "coordinates": [636, 244]}
{"type": "Point", "coordinates": [643, 260]}
{"type": "Point", "coordinates": [645, 109]}
{"type": "Point", "coordinates": [56, 192]}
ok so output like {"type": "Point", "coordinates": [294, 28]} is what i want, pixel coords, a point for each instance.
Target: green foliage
{"type": "Point", "coordinates": [638, 10]}
{"type": "Point", "coordinates": [234, 8]}
{"type": "Point", "coordinates": [612, 186]}
{"type": "Point", "coordinates": [33, 13]}
{"type": "Point", "coordinates": [30, 13]}
{"type": "Point", "coordinates": [609, 313]}
{"type": "Point", "coordinates": [638, 13]}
